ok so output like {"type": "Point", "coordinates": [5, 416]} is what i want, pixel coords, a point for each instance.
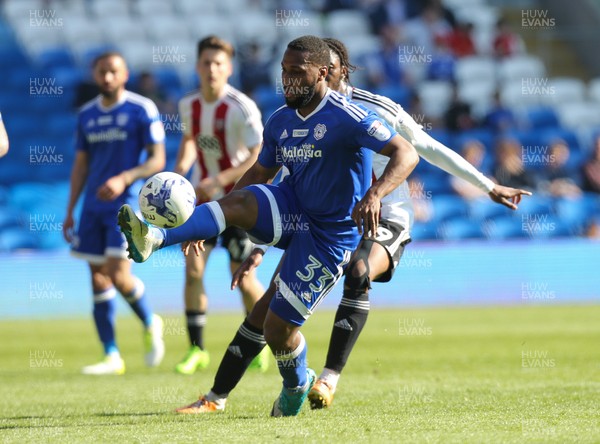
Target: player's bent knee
{"type": "Point", "coordinates": [357, 276]}
{"type": "Point", "coordinates": [240, 208]}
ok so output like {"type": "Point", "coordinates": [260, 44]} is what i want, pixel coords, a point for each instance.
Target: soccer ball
{"type": "Point", "coordinates": [167, 200]}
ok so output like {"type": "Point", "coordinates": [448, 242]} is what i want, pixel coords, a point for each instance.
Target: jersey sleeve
{"type": "Point", "coordinates": [268, 153]}
{"type": "Point", "coordinates": [251, 127]}
{"type": "Point", "coordinates": [80, 139]}
{"type": "Point", "coordinates": [373, 132]}
{"type": "Point", "coordinates": [153, 130]}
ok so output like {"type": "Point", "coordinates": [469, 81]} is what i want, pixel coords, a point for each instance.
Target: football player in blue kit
{"type": "Point", "coordinates": [316, 215]}
{"type": "Point", "coordinates": [113, 131]}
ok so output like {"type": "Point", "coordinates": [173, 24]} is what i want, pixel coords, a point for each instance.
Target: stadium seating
{"type": "Point", "coordinates": [569, 109]}
{"type": "Point", "coordinates": [458, 229]}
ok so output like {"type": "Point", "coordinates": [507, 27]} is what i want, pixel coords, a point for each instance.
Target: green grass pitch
{"type": "Point", "coordinates": [447, 375]}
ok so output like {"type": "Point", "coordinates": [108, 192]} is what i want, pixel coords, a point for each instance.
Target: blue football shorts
{"type": "Point", "coordinates": [312, 264]}
{"type": "Point", "coordinates": [98, 237]}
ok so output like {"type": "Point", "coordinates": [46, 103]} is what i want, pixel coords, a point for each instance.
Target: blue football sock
{"type": "Point", "coordinates": [293, 366]}
{"type": "Point", "coordinates": [138, 301]}
{"type": "Point", "coordinates": [206, 221]}
{"type": "Point", "coordinates": [104, 317]}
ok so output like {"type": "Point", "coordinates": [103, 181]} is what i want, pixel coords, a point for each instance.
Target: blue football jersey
{"type": "Point", "coordinates": [329, 172]}
{"type": "Point", "coordinates": [114, 139]}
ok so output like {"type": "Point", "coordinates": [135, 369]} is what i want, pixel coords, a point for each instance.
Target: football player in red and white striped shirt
{"type": "Point", "coordinates": [222, 133]}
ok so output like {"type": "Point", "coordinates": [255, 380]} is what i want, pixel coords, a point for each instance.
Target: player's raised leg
{"type": "Point", "coordinates": [238, 208]}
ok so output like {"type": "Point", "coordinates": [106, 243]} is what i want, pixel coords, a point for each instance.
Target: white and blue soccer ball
{"type": "Point", "coordinates": [167, 200]}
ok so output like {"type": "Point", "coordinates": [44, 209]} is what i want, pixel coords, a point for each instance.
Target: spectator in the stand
{"type": "Point", "coordinates": [558, 179]}
{"type": "Point", "coordinates": [390, 12]}
{"type": "Point", "coordinates": [592, 229]}
{"type": "Point", "coordinates": [255, 67]}
{"type": "Point", "coordinates": [460, 40]}
{"type": "Point", "coordinates": [427, 27]}
{"type": "Point", "coordinates": [458, 117]}
{"type": "Point", "coordinates": [473, 151]}
{"type": "Point", "coordinates": [383, 67]}
{"type": "Point", "coordinates": [442, 62]}
{"type": "Point", "coordinates": [591, 169]}
{"type": "Point", "coordinates": [148, 87]}
{"type": "Point", "coordinates": [334, 5]}
{"type": "Point", "coordinates": [506, 42]}
{"type": "Point", "coordinates": [499, 118]}
{"type": "Point", "coordinates": [510, 170]}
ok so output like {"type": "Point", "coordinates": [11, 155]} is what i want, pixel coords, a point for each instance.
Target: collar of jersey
{"type": "Point", "coordinates": [317, 109]}
{"type": "Point", "coordinates": [118, 103]}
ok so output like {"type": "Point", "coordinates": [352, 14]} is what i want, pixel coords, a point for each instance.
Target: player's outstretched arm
{"type": "Point", "coordinates": [403, 160]}
{"type": "Point", "coordinates": [250, 263]}
{"type": "Point", "coordinates": [79, 174]}
{"type": "Point", "coordinates": [3, 139]}
{"type": "Point", "coordinates": [507, 196]}
{"type": "Point", "coordinates": [186, 155]}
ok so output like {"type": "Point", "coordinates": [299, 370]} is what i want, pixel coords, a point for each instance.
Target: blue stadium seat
{"type": "Point", "coordinates": [576, 212]}
{"type": "Point", "coordinates": [457, 229]}
{"type": "Point", "coordinates": [398, 93]}
{"type": "Point", "coordinates": [55, 57]}
{"type": "Point", "coordinates": [504, 228]}
{"type": "Point", "coordinates": [483, 209]}
{"type": "Point", "coordinates": [424, 231]}
{"type": "Point", "coordinates": [27, 195]}
{"type": "Point", "coordinates": [485, 136]}
{"type": "Point", "coordinates": [10, 217]}
{"type": "Point", "coordinates": [436, 182]}
{"type": "Point", "coordinates": [542, 117]}
{"type": "Point", "coordinates": [167, 78]}
{"type": "Point", "coordinates": [549, 135]}
{"type": "Point", "coordinates": [448, 207]}
{"type": "Point", "coordinates": [536, 205]}
{"type": "Point", "coordinates": [18, 239]}
{"type": "Point", "coordinates": [549, 227]}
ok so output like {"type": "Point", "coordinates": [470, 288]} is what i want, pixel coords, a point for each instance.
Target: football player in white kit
{"type": "Point", "coordinates": [222, 132]}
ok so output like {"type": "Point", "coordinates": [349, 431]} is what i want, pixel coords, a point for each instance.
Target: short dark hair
{"type": "Point", "coordinates": [214, 42]}
{"type": "Point", "coordinates": [318, 51]}
{"type": "Point", "coordinates": [341, 51]}
{"type": "Point", "coordinates": [106, 55]}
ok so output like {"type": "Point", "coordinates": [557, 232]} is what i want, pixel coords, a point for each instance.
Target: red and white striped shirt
{"type": "Point", "coordinates": [223, 130]}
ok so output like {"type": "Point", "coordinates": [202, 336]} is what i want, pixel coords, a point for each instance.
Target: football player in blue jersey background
{"type": "Point", "coordinates": [315, 215]}
{"type": "Point", "coordinates": [113, 131]}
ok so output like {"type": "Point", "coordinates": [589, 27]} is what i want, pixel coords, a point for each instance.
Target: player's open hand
{"type": "Point", "coordinates": [366, 214]}
{"type": "Point", "coordinates": [112, 188]}
{"type": "Point", "coordinates": [251, 262]}
{"type": "Point", "coordinates": [67, 228]}
{"type": "Point", "coordinates": [507, 196]}
{"type": "Point", "coordinates": [197, 246]}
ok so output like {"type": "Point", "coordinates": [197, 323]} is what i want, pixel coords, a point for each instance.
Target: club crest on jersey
{"type": "Point", "coordinates": [319, 131]}
{"type": "Point", "coordinates": [122, 119]}
{"type": "Point", "coordinates": [379, 131]}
